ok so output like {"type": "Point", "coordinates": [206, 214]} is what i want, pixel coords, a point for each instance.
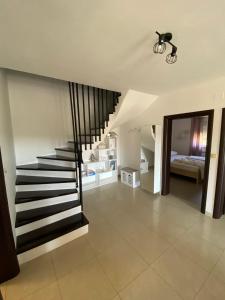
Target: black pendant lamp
{"type": "Point", "coordinates": [160, 47]}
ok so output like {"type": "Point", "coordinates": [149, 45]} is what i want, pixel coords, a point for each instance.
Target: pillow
{"type": "Point", "coordinates": [173, 153]}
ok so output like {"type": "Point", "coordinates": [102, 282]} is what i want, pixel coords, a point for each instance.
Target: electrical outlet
{"type": "Point", "coordinates": [213, 155]}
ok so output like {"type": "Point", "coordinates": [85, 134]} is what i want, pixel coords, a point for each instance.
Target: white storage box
{"type": "Point", "coordinates": [130, 177]}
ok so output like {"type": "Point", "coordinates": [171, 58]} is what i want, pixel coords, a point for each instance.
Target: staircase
{"type": "Point", "coordinates": [49, 200]}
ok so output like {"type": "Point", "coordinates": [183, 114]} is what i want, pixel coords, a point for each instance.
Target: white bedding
{"type": "Point", "coordinates": [194, 163]}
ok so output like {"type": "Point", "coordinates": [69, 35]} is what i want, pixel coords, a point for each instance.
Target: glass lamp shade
{"type": "Point", "coordinates": [171, 58]}
{"type": "Point", "coordinates": [159, 48]}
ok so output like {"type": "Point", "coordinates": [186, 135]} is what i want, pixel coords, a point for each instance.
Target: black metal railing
{"type": "Point", "coordinates": [90, 110]}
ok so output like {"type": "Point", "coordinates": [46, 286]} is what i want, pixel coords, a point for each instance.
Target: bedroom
{"type": "Point", "coordinates": [187, 163]}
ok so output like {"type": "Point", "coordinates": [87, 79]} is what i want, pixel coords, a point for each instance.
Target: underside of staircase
{"type": "Point", "coordinates": [49, 207]}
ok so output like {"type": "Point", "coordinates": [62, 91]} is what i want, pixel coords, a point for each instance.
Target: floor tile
{"type": "Point", "coordinates": [211, 230]}
{"type": "Point", "coordinates": [148, 244]}
{"type": "Point", "coordinates": [213, 289]}
{"type": "Point", "coordinates": [67, 257]}
{"type": "Point", "coordinates": [201, 251]}
{"type": "Point", "coordinates": [149, 286]}
{"type": "Point", "coordinates": [34, 275]}
{"type": "Point", "coordinates": [126, 223]}
{"type": "Point", "coordinates": [51, 292]}
{"type": "Point", "coordinates": [166, 227]}
{"type": "Point", "coordinates": [219, 270]}
{"type": "Point", "coordinates": [86, 282]}
{"type": "Point", "coordinates": [103, 236]}
{"type": "Point", "coordinates": [180, 272]}
{"type": "Point", "coordinates": [122, 264]}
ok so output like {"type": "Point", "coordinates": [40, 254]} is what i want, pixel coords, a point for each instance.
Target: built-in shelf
{"type": "Point", "coordinates": [105, 169]}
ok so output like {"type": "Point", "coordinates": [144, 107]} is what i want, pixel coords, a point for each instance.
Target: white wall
{"type": "Point", "coordinates": [181, 136]}
{"type": "Point", "coordinates": [41, 117]}
{"type": "Point", "coordinates": [129, 148]}
{"type": "Point", "coordinates": [7, 146]}
{"type": "Point", "coordinates": [207, 95]}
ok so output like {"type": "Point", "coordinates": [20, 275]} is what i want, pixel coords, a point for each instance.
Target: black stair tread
{"type": "Point", "coordinates": [44, 167]}
{"type": "Point", "coordinates": [49, 232]}
{"type": "Point", "coordinates": [57, 157]}
{"type": "Point", "coordinates": [22, 179]}
{"type": "Point", "coordinates": [28, 196]}
{"type": "Point", "coordinates": [32, 215]}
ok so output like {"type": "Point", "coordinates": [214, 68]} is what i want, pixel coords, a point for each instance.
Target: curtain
{"type": "Point", "coordinates": [198, 136]}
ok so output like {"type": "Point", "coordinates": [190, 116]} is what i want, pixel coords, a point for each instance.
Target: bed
{"type": "Point", "coordinates": [188, 166]}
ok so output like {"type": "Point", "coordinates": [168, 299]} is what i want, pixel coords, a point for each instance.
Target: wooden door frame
{"type": "Point", "coordinates": [8, 257]}
{"type": "Point", "coordinates": [167, 139]}
{"type": "Point", "coordinates": [219, 203]}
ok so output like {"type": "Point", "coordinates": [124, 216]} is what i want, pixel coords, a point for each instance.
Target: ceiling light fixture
{"type": "Point", "coordinates": [160, 47]}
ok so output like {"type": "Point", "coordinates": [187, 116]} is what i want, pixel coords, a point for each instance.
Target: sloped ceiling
{"type": "Point", "coordinates": [130, 106]}
{"type": "Point", "coordinates": [109, 43]}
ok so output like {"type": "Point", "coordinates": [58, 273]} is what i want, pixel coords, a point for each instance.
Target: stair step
{"type": "Point", "coordinates": [66, 149]}
{"type": "Point", "coordinates": [32, 215]}
{"type": "Point", "coordinates": [27, 180]}
{"type": "Point", "coordinates": [92, 134]}
{"type": "Point", "coordinates": [43, 167]}
{"type": "Point", "coordinates": [89, 138]}
{"type": "Point", "coordinates": [57, 157]}
{"type": "Point", "coordinates": [35, 238]}
{"type": "Point", "coordinates": [87, 141]}
{"type": "Point", "coordinates": [23, 197]}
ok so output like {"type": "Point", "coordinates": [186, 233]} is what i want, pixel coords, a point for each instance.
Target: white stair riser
{"type": "Point", "coordinates": [51, 245]}
{"type": "Point", "coordinates": [44, 187]}
{"type": "Point", "coordinates": [46, 202]}
{"type": "Point", "coordinates": [61, 163]}
{"type": "Point", "coordinates": [70, 145]}
{"type": "Point", "coordinates": [49, 220]}
{"type": "Point", "coordinates": [65, 153]}
{"type": "Point", "coordinates": [61, 174]}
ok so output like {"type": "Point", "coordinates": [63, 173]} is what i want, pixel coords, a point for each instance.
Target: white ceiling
{"type": "Point", "coordinates": [108, 43]}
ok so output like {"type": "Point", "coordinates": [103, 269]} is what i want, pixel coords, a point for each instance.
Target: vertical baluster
{"type": "Point", "coordinates": [99, 121]}
{"type": "Point", "coordinates": [103, 115]}
{"type": "Point", "coordinates": [89, 117]}
{"type": "Point", "coordinates": [84, 118]}
{"type": "Point", "coordinates": [95, 119]}
{"type": "Point", "coordinates": [80, 147]}
{"type": "Point", "coordinates": [73, 123]}
{"type": "Point", "coordinates": [107, 107]}
{"type": "Point", "coordinates": [76, 134]}
{"type": "Point", "coordinates": [78, 117]}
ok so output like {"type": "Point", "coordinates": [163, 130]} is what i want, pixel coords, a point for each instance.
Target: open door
{"type": "Point", "coordinates": [9, 266]}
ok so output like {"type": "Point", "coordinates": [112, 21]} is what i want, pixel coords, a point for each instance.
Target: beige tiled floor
{"type": "Point", "coordinates": [139, 247]}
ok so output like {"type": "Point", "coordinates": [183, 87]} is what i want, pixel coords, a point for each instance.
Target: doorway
{"type": "Point", "coordinates": [191, 172]}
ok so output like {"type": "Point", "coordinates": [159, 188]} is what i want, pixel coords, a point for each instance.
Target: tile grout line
{"type": "Point", "coordinates": [54, 270]}
{"type": "Point", "coordinates": [210, 273]}
{"type": "Point", "coordinates": [168, 283]}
